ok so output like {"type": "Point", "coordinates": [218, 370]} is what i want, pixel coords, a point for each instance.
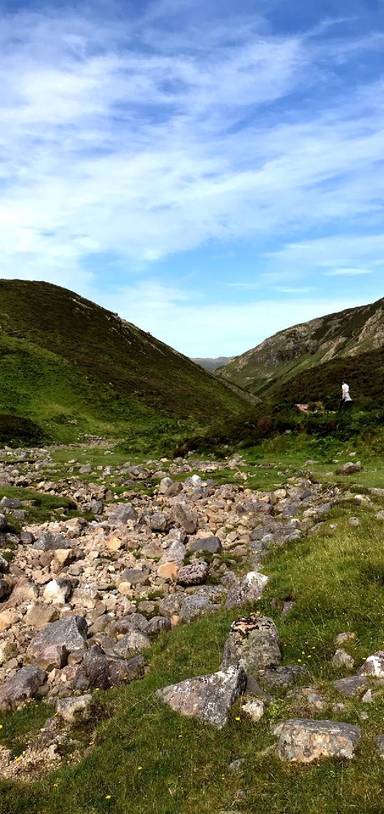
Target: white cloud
{"type": "Point", "coordinates": [146, 152]}
{"type": "Point", "coordinates": [348, 272]}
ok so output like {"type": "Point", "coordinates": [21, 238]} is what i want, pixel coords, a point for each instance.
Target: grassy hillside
{"type": "Point", "coordinates": [336, 343]}
{"type": "Point", "coordinates": [71, 367]}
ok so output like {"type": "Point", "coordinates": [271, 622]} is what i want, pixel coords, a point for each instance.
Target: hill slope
{"type": "Point", "coordinates": [72, 367]}
{"type": "Point", "coordinates": [346, 343]}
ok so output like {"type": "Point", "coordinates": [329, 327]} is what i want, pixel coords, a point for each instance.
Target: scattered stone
{"type": "Point", "coordinates": [208, 697]}
{"type": "Point", "coordinates": [349, 468]}
{"type": "Point", "coordinates": [380, 745]}
{"type": "Point", "coordinates": [374, 665]}
{"type": "Point", "coordinates": [210, 545]}
{"type": "Point", "coordinates": [74, 708]}
{"type": "Point", "coordinates": [342, 659]}
{"type": "Point", "coordinates": [185, 518]}
{"type": "Point", "coordinates": [194, 574]}
{"type": "Point", "coordinates": [58, 591]}
{"type": "Point", "coordinates": [168, 570]}
{"type": "Point", "coordinates": [351, 687]}
{"type": "Point", "coordinates": [254, 709]}
{"type": "Point", "coordinates": [39, 615]}
{"type": "Point", "coordinates": [169, 488]}
{"type": "Point", "coordinates": [21, 687]}
{"type": "Point", "coordinates": [304, 741]}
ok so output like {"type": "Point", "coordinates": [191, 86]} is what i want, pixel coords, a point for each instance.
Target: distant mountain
{"type": "Point", "coordinates": [305, 362]}
{"type": "Point", "coordinates": [71, 367]}
{"type": "Point", "coordinates": [213, 364]}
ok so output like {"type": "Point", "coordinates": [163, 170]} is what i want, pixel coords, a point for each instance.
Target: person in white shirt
{"type": "Point", "coordinates": [346, 400]}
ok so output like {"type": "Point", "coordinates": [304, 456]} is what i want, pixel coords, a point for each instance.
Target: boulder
{"type": "Point", "coordinates": [194, 574]}
{"type": "Point", "coordinates": [100, 671]}
{"type": "Point", "coordinates": [304, 741]}
{"type": "Point", "coordinates": [210, 545]}
{"type": "Point", "coordinates": [133, 642]}
{"type": "Point", "coordinates": [58, 591]}
{"type": "Point", "coordinates": [52, 644]}
{"type": "Point", "coordinates": [253, 643]}
{"type": "Point", "coordinates": [4, 565]}
{"type": "Point", "coordinates": [39, 615]}
{"type": "Point", "coordinates": [208, 697]}
{"type": "Point", "coordinates": [74, 708]}
{"type": "Point", "coordinates": [21, 687]}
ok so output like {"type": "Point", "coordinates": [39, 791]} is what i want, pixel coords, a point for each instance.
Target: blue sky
{"type": "Point", "coordinates": [213, 171]}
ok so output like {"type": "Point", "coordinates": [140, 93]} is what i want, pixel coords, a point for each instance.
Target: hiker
{"type": "Point", "coordinates": [346, 401]}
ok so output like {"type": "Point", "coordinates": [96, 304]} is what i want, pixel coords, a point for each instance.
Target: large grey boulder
{"type": "Point", "coordinates": [253, 643]}
{"type": "Point", "coordinates": [21, 687]}
{"type": "Point", "coordinates": [52, 644]}
{"type": "Point", "coordinates": [304, 741]}
{"type": "Point", "coordinates": [5, 589]}
{"type": "Point", "coordinates": [208, 697]}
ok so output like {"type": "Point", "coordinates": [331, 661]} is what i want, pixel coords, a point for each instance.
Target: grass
{"type": "Point", "coordinates": [148, 760]}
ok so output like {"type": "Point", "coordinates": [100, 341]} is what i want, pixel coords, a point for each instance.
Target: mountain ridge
{"type": "Point", "coordinates": [342, 336]}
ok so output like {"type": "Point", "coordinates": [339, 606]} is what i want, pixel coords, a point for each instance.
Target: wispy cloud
{"type": "Point", "coordinates": [348, 272]}
{"type": "Point", "coordinates": [122, 134]}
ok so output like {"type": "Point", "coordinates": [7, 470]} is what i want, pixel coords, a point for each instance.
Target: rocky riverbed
{"type": "Point", "coordinates": [82, 598]}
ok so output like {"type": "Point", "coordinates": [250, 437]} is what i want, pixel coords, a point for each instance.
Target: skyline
{"type": "Point", "coordinates": [212, 176]}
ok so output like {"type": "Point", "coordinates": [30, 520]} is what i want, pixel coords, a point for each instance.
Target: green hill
{"type": "Point", "coordinates": [307, 361]}
{"type": "Point", "coordinates": [69, 367]}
